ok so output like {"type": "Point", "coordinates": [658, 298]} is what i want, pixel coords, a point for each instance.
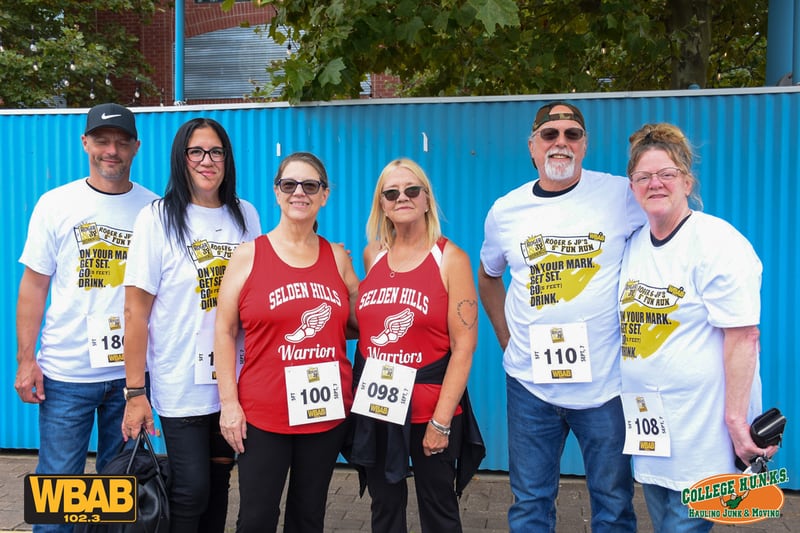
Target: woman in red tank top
{"type": "Point", "coordinates": [291, 291]}
{"type": "Point", "coordinates": [417, 315]}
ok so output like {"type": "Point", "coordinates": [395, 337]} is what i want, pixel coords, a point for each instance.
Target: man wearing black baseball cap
{"type": "Point", "coordinates": [76, 248]}
{"type": "Point", "coordinates": [111, 116]}
{"type": "Point", "coordinates": [562, 236]}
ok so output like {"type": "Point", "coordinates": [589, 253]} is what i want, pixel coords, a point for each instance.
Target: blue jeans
{"type": "Point", "coordinates": [66, 419]}
{"type": "Point", "coordinates": [668, 514]}
{"type": "Point", "coordinates": [537, 432]}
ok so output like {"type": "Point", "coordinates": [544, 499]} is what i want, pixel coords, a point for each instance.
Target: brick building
{"type": "Point", "coordinates": [224, 57]}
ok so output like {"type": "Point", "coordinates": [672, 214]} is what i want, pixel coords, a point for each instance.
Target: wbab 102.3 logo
{"type": "Point", "coordinates": [737, 498]}
{"type": "Point", "coordinates": [80, 499]}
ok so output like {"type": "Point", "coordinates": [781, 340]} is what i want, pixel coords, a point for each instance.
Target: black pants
{"type": "Point", "coordinates": [434, 480]}
{"type": "Point", "coordinates": [200, 463]}
{"type": "Point", "coordinates": [309, 460]}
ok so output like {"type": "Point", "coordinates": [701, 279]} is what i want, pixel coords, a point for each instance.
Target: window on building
{"type": "Point", "coordinates": [230, 63]}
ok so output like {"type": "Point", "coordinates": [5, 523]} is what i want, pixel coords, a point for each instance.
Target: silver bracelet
{"type": "Point", "coordinates": [444, 430]}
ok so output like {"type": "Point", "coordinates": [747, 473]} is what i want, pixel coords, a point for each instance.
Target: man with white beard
{"type": "Point", "coordinates": [562, 237]}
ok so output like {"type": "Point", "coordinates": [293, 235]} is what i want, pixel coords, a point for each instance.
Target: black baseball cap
{"type": "Point", "coordinates": [111, 116]}
{"type": "Point", "coordinates": [544, 115]}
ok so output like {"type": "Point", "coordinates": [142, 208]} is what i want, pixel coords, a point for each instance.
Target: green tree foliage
{"type": "Point", "coordinates": [497, 47]}
{"type": "Point", "coordinates": [60, 49]}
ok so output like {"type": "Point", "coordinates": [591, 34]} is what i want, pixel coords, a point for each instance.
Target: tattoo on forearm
{"type": "Point", "coordinates": [468, 312]}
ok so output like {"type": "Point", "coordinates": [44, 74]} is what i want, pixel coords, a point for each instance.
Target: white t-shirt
{"type": "Point", "coordinates": [564, 254]}
{"type": "Point", "coordinates": [185, 281]}
{"type": "Point", "coordinates": [674, 300]}
{"type": "Point", "coordinates": [79, 237]}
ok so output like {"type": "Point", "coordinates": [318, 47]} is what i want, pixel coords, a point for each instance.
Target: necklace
{"type": "Point", "coordinates": [402, 266]}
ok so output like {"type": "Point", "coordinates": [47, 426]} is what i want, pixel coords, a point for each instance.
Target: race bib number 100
{"type": "Point", "coordinates": [314, 393]}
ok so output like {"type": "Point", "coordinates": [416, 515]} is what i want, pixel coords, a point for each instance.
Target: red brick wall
{"type": "Point", "coordinates": [203, 18]}
{"type": "Point", "coordinates": [383, 85]}
{"type": "Point", "coordinates": [155, 43]}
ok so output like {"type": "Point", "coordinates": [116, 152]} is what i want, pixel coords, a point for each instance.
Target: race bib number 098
{"type": "Point", "coordinates": [384, 391]}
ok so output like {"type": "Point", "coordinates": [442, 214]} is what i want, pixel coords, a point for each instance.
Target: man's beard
{"type": "Point", "coordinates": [117, 173]}
{"type": "Point", "coordinates": [559, 169]}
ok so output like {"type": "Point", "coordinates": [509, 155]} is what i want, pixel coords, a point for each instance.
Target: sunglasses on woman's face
{"type": "Point", "coordinates": [394, 194]}
{"type": "Point", "coordinates": [288, 186]}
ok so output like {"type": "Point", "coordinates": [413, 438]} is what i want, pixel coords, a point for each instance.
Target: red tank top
{"type": "Point", "coordinates": [413, 307]}
{"type": "Point", "coordinates": [273, 305]}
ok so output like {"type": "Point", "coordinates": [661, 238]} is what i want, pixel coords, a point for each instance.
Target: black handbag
{"type": "Point", "coordinates": [765, 430]}
{"type": "Point", "coordinates": [152, 475]}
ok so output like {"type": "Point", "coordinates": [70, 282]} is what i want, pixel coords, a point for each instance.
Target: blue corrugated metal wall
{"type": "Point", "coordinates": [474, 151]}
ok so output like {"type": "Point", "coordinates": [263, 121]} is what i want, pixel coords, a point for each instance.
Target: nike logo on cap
{"type": "Point", "coordinates": [106, 117]}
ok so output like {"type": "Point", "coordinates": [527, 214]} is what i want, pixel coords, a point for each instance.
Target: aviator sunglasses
{"type": "Point", "coordinates": [394, 194]}
{"type": "Point", "coordinates": [551, 134]}
{"type": "Point", "coordinates": [288, 186]}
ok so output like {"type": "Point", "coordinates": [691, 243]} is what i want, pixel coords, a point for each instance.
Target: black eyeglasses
{"type": "Point", "coordinates": [288, 186]}
{"type": "Point", "coordinates": [394, 194]}
{"type": "Point", "coordinates": [571, 134]}
{"type": "Point", "coordinates": [197, 154]}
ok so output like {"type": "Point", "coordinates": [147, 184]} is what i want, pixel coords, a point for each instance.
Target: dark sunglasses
{"type": "Point", "coordinates": [551, 134]}
{"type": "Point", "coordinates": [394, 194]}
{"type": "Point", "coordinates": [288, 186]}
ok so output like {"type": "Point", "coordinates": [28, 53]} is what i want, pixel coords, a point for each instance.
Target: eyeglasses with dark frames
{"type": "Point", "coordinates": [197, 154]}
{"type": "Point", "coordinates": [288, 186]}
{"type": "Point", "coordinates": [551, 134]}
{"type": "Point", "coordinates": [665, 175]}
{"type": "Point", "coordinates": [393, 194]}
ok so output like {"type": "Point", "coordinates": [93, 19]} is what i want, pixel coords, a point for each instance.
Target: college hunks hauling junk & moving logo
{"type": "Point", "coordinates": [737, 498]}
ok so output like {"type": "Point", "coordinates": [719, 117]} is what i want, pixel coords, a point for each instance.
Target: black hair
{"type": "Point", "coordinates": [178, 194]}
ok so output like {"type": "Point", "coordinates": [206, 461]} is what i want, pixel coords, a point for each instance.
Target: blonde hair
{"type": "Point", "coordinates": [380, 228]}
{"type": "Point", "coordinates": [671, 140]}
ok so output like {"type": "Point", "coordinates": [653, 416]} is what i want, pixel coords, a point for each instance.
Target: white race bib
{"type": "Point", "coordinates": [314, 393]}
{"type": "Point", "coordinates": [106, 334]}
{"type": "Point", "coordinates": [646, 431]}
{"type": "Point", "coordinates": [560, 353]}
{"type": "Point", "coordinates": [384, 391]}
{"type": "Point", "coordinates": [205, 371]}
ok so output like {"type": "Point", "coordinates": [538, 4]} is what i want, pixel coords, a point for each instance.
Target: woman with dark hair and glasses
{"type": "Point", "coordinates": [689, 310]}
{"type": "Point", "coordinates": [175, 265]}
{"type": "Point", "coordinates": [417, 314]}
{"type": "Point", "coordinates": [292, 293]}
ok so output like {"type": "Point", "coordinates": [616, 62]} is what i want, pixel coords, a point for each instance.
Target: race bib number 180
{"type": "Point", "coordinates": [106, 340]}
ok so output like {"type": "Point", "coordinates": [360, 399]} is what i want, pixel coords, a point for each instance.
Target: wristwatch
{"type": "Point", "coordinates": [133, 392]}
